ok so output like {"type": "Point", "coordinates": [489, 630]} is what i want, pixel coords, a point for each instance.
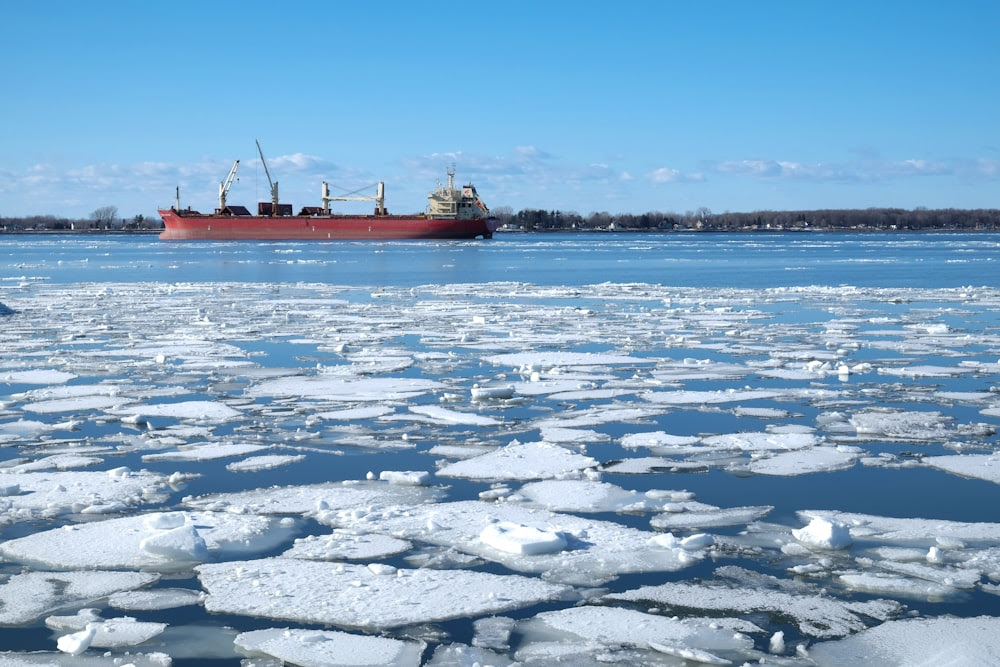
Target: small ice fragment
{"type": "Point", "coordinates": [487, 393]}
{"type": "Point", "coordinates": [688, 653]}
{"type": "Point", "coordinates": [406, 477]}
{"type": "Point", "coordinates": [164, 520]}
{"type": "Point", "coordinates": [78, 642]}
{"type": "Point", "coordinates": [520, 539]}
{"type": "Point", "coordinates": [777, 645]}
{"type": "Point", "coordinates": [824, 534]}
{"type": "Point", "coordinates": [382, 568]}
{"type": "Point", "coordinates": [697, 541]}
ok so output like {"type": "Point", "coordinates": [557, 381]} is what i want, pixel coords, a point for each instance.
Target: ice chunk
{"type": "Point", "coordinates": [824, 534]}
{"type": "Point", "coordinates": [525, 360]}
{"type": "Point", "coordinates": [354, 597]}
{"type": "Point", "coordinates": [445, 416]}
{"type": "Point", "coordinates": [979, 466]}
{"type": "Point", "coordinates": [205, 452]}
{"type": "Point", "coordinates": [27, 596]}
{"type": "Point", "coordinates": [613, 626]}
{"type": "Point", "coordinates": [317, 498]}
{"type": "Point", "coordinates": [517, 461]}
{"type": "Point", "coordinates": [38, 376]}
{"type": "Point", "coordinates": [341, 389]}
{"type": "Point", "coordinates": [343, 545]}
{"type": "Point", "coordinates": [924, 641]}
{"type": "Point", "coordinates": [596, 551]}
{"type": "Point", "coordinates": [265, 462]}
{"type": "Point", "coordinates": [709, 517]}
{"type": "Point", "coordinates": [200, 411]}
{"type": "Point", "coordinates": [406, 477]}
{"type": "Point", "coordinates": [524, 540]}
{"type": "Point", "coordinates": [77, 642]}
{"type": "Point", "coordinates": [814, 614]}
{"type": "Point", "coordinates": [131, 542]}
{"type": "Point", "coordinates": [155, 599]}
{"type": "Point", "coordinates": [816, 459]}
{"type": "Point", "coordinates": [329, 648]}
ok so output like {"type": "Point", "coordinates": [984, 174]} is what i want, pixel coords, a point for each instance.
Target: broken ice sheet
{"type": "Point", "coordinates": [362, 597]}
{"type": "Point", "coordinates": [517, 461]}
{"type": "Point", "coordinates": [34, 495]}
{"type": "Point", "coordinates": [344, 545]}
{"type": "Point", "coordinates": [744, 592]}
{"type": "Point", "coordinates": [979, 466]}
{"type": "Point", "coordinates": [163, 542]}
{"type": "Point", "coordinates": [329, 647]}
{"type": "Point", "coordinates": [596, 551]}
{"type": "Point", "coordinates": [591, 629]}
{"type": "Point", "coordinates": [28, 596]}
{"type": "Point", "coordinates": [917, 641]}
{"type": "Point", "coordinates": [593, 496]}
{"type": "Point", "coordinates": [320, 499]}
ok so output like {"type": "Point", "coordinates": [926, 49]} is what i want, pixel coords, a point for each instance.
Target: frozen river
{"type": "Point", "coordinates": [565, 449]}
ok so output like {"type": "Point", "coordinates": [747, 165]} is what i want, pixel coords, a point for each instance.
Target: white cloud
{"type": "Point", "coordinates": [670, 175]}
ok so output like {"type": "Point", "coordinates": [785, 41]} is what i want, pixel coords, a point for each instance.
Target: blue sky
{"type": "Point", "coordinates": [578, 106]}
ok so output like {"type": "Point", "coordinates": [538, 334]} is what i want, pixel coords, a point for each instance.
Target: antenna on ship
{"type": "Point", "coordinates": [274, 184]}
{"type": "Point", "coordinates": [177, 198]}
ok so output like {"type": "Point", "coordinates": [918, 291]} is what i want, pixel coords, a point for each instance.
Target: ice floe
{"type": "Point", "coordinates": [328, 648]}
{"type": "Point", "coordinates": [358, 597]}
{"type": "Point", "coordinates": [304, 385]}
{"type": "Point", "coordinates": [156, 542]}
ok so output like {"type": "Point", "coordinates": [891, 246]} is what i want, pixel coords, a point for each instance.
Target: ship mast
{"type": "Point", "coordinates": [273, 184]}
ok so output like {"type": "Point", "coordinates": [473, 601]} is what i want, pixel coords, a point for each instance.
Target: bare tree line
{"type": "Point", "coordinates": [886, 219]}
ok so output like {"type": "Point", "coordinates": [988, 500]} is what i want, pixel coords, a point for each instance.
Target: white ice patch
{"type": "Point", "coordinates": [355, 597]}
{"type": "Point", "coordinates": [445, 416]}
{"type": "Point", "coordinates": [682, 518]}
{"type": "Point", "coordinates": [597, 551]}
{"type": "Point", "coordinates": [801, 462]}
{"type": "Point", "coordinates": [517, 461]}
{"type": "Point", "coordinates": [592, 496]}
{"type": "Point", "coordinates": [533, 360]}
{"type": "Point", "coordinates": [352, 496]}
{"type": "Point", "coordinates": [55, 493]}
{"type": "Point", "coordinates": [37, 376]}
{"type": "Point", "coordinates": [814, 614]}
{"type": "Point", "coordinates": [978, 466]}
{"type": "Point", "coordinates": [205, 452]}
{"type": "Point", "coordinates": [523, 540]}
{"type": "Point", "coordinates": [345, 389]}
{"type": "Point", "coordinates": [198, 411]}
{"type": "Point", "coordinates": [28, 596]}
{"type": "Point", "coordinates": [266, 462]}
{"type": "Point", "coordinates": [593, 628]}
{"type": "Point", "coordinates": [152, 542]}
{"type": "Point", "coordinates": [155, 599]}
{"type": "Point", "coordinates": [923, 641]}
{"type": "Point", "coordinates": [824, 534]}
{"type": "Point", "coordinates": [329, 648]}
{"type": "Point", "coordinates": [344, 545]}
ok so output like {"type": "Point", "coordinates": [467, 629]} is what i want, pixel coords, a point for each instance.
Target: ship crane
{"type": "Point", "coordinates": [273, 184]}
{"type": "Point", "coordinates": [379, 198]}
{"type": "Point", "coordinates": [225, 185]}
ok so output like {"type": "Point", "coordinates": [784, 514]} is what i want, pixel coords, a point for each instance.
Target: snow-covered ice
{"type": "Point", "coordinates": [406, 463]}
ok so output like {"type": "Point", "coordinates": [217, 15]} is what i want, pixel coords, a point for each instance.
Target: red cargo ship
{"type": "Point", "coordinates": [452, 213]}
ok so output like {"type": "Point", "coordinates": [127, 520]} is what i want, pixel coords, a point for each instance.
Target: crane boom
{"type": "Point", "coordinates": [273, 184]}
{"type": "Point", "coordinates": [226, 184]}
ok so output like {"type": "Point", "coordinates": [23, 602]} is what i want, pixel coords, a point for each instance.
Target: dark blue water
{"type": "Point", "coordinates": [683, 260]}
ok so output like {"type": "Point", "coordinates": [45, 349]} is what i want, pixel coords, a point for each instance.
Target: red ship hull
{"type": "Point", "coordinates": [190, 226]}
